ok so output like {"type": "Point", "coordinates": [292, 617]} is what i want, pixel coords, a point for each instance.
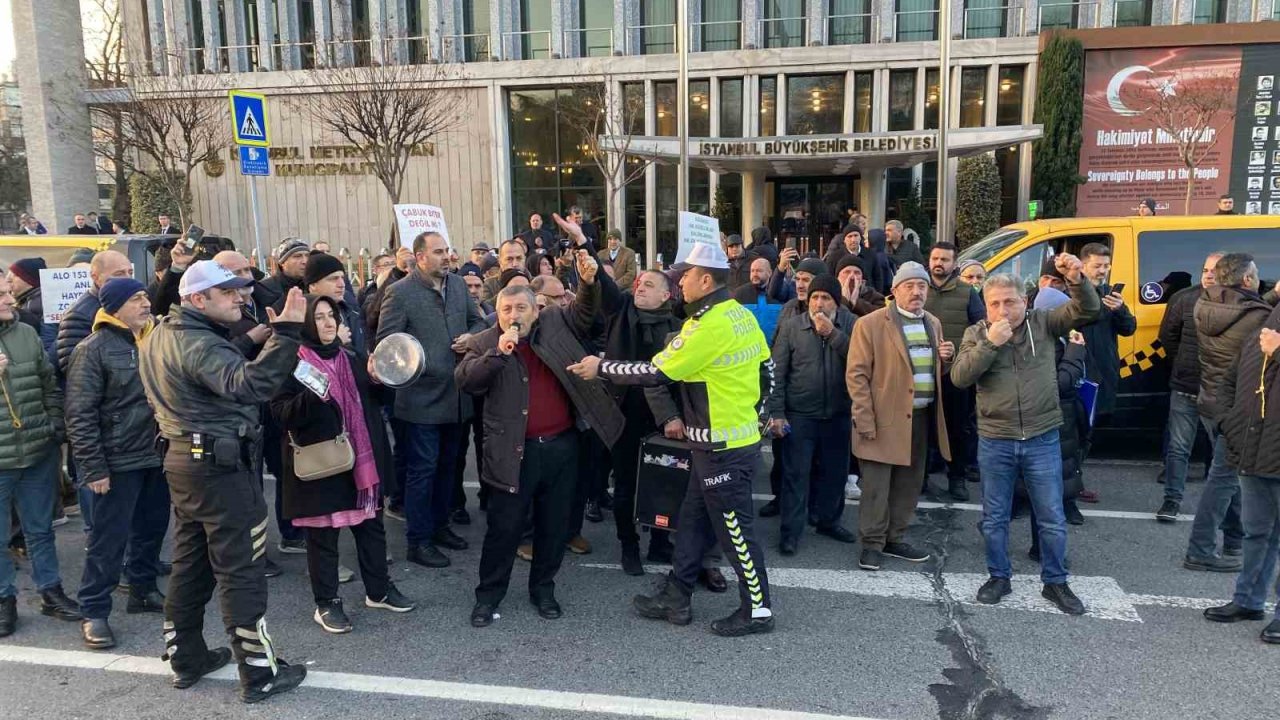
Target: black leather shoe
{"type": "Point", "coordinates": [548, 608]}
{"type": "Point", "coordinates": [593, 512]}
{"type": "Point", "coordinates": [213, 660]}
{"type": "Point", "coordinates": [741, 623]}
{"type": "Point", "coordinates": [1212, 564]}
{"type": "Point", "coordinates": [1271, 633]}
{"type": "Point", "coordinates": [787, 546]}
{"type": "Point", "coordinates": [1060, 594]}
{"type": "Point", "coordinates": [482, 615]}
{"type": "Point", "coordinates": [769, 509]}
{"type": "Point", "coordinates": [460, 517]}
{"type": "Point", "coordinates": [957, 489]}
{"type": "Point", "coordinates": [1072, 512]}
{"type": "Point", "coordinates": [287, 677]}
{"type": "Point", "coordinates": [427, 555]}
{"type": "Point", "coordinates": [97, 634]}
{"type": "Point", "coordinates": [631, 564]}
{"type": "Point", "coordinates": [8, 616]}
{"type": "Point", "coordinates": [151, 602]}
{"type": "Point", "coordinates": [606, 501]}
{"type": "Point", "coordinates": [713, 580]}
{"type": "Point", "coordinates": [56, 604]}
{"type": "Point", "coordinates": [838, 533]}
{"type": "Point", "coordinates": [993, 590]}
{"type": "Point", "coordinates": [670, 604]}
{"type": "Point", "coordinates": [446, 537]}
{"type": "Point", "coordinates": [1232, 612]}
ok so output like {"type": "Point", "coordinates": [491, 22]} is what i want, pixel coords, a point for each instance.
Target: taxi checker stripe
{"type": "Point", "coordinates": [744, 555]}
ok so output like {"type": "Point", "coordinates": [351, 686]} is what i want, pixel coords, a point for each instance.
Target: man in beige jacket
{"type": "Point", "coordinates": [894, 374]}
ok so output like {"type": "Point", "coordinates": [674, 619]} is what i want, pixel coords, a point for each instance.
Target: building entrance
{"type": "Point", "coordinates": [810, 209]}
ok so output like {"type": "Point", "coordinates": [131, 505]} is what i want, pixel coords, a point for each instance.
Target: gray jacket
{"type": "Point", "coordinates": [413, 306]}
{"type": "Point", "coordinates": [808, 366]}
{"type": "Point", "coordinates": [197, 381]}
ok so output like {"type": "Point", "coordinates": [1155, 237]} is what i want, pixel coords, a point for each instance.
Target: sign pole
{"type": "Point", "coordinates": [944, 121]}
{"type": "Point", "coordinates": [257, 222]}
{"type": "Point", "coordinates": [682, 101]}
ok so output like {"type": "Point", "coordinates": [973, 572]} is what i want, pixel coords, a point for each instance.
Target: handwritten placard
{"type": "Point", "coordinates": [414, 219]}
{"type": "Point", "coordinates": [694, 229]}
{"type": "Point", "coordinates": [60, 288]}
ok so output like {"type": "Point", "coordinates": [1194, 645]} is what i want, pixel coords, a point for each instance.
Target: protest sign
{"type": "Point", "coordinates": [414, 219]}
{"type": "Point", "coordinates": [60, 288]}
{"type": "Point", "coordinates": [695, 228]}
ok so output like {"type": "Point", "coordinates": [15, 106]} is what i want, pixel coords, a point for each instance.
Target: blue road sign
{"type": "Point", "coordinates": [253, 161]}
{"type": "Point", "coordinates": [249, 118]}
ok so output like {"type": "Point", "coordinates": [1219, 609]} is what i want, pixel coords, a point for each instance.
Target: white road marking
{"type": "Point", "coordinates": [1103, 597]}
{"type": "Point", "coordinates": [433, 689]}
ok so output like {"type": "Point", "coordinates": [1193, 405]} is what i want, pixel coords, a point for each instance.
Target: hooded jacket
{"type": "Point", "coordinates": [1227, 318]}
{"type": "Point", "coordinates": [881, 267]}
{"type": "Point", "coordinates": [1251, 416]}
{"type": "Point", "coordinates": [762, 245]}
{"type": "Point", "coordinates": [1180, 341]}
{"type": "Point", "coordinates": [30, 398]}
{"type": "Point", "coordinates": [110, 426]}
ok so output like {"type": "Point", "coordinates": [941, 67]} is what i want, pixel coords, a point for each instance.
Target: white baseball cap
{"type": "Point", "coordinates": [704, 255]}
{"type": "Point", "coordinates": [208, 274]}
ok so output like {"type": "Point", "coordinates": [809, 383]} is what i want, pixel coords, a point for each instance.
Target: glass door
{"type": "Point", "coordinates": [811, 210]}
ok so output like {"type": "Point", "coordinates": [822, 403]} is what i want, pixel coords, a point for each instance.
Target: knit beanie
{"type": "Point", "coordinates": [117, 291]}
{"type": "Point", "coordinates": [508, 275]}
{"type": "Point", "coordinates": [291, 247]}
{"type": "Point", "coordinates": [850, 261]}
{"type": "Point", "coordinates": [82, 255]}
{"type": "Point", "coordinates": [29, 270]}
{"type": "Point", "coordinates": [826, 283]}
{"type": "Point", "coordinates": [813, 266]}
{"type": "Point", "coordinates": [910, 270]}
{"type": "Point", "coordinates": [321, 265]}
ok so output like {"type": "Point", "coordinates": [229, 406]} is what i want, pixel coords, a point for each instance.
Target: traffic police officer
{"type": "Point", "coordinates": [206, 396]}
{"type": "Point", "coordinates": [722, 362]}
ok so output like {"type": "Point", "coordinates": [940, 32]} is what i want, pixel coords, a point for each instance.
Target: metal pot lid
{"type": "Point", "coordinates": [399, 360]}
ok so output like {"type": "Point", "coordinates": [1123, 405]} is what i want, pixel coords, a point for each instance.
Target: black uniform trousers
{"type": "Point", "coordinates": [371, 552]}
{"type": "Point", "coordinates": [548, 479]}
{"type": "Point", "coordinates": [219, 540]}
{"type": "Point", "coordinates": [718, 508]}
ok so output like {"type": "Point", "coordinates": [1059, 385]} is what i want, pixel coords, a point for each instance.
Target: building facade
{"type": "Point", "coordinates": [798, 109]}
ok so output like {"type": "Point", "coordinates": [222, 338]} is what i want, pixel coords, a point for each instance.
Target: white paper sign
{"type": "Point", "coordinates": [413, 220]}
{"type": "Point", "coordinates": [60, 288]}
{"type": "Point", "coordinates": [695, 228]}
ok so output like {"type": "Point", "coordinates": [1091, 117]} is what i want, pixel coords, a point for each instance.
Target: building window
{"type": "Point", "coordinates": [931, 97]}
{"type": "Point", "coordinates": [731, 188]}
{"type": "Point", "coordinates": [731, 107]}
{"type": "Point", "coordinates": [665, 206]}
{"type": "Point", "coordinates": [973, 97]}
{"type": "Point", "coordinates": [633, 107]}
{"type": "Point", "coordinates": [535, 26]}
{"type": "Point", "coordinates": [1009, 100]}
{"type": "Point", "coordinates": [1210, 11]}
{"type": "Point", "coordinates": [849, 22]}
{"type": "Point", "coordinates": [595, 39]}
{"type": "Point", "coordinates": [658, 27]}
{"type": "Point", "coordinates": [1007, 162]}
{"type": "Point", "coordinates": [917, 20]}
{"type": "Point", "coordinates": [667, 123]}
{"type": "Point", "coordinates": [784, 23]}
{"type": "Point", "coordinates": [897, 185]}
{"type": "Point", "coordinates": [815, 104]}
{"type": "Point", "coordinates": [721, 25]}
{"type": "Point", "coordinates": [929, 189]}
{"type": "Point", "coordinates": [635, 199]}
{"type": "Point", "coordinates": [986, 18]}
{"type": "Point", "coordinates": [1059, 15]}
{"type": "Point", "coordinates": [768, 106]}
{"type": "Point", "coordinates": [902, 100]}
{"type": "Point", "coordinates": [699, 108]}
{"type": "Point", "coordinates": [550, 169]}
{"type": "Point", "coordinates": [475, 29]}
{"type": "Point", "coordinates": [863, 107]}
{"type": "Point", "coordinates": [1133, 13]}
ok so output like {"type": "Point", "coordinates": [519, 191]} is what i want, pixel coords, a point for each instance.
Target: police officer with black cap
{"type": "Point", "coordinates": [206, 397]}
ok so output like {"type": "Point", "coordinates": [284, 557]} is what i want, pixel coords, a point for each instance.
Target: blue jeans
{"type": "Point", "coordinates": [1038, 463]}
{"type": "Point", "coordinates": [32, 491]}
{"type": "Point", "coordinates": [1261, 516]}
{"type": "Point", "coordinates": [134, 511]}
{"type": "Point", "coordinates": [1219, 505]}
{"type": "Point", "coordinates": [431, 451]}
{"type": "Point", "coordinates": [1180, 434]}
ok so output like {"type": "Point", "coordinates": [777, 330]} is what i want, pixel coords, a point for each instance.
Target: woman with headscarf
{"type": "Point", "coordinates": [539, 265]}
{"type": "Point", "coordinates": [331, 394]}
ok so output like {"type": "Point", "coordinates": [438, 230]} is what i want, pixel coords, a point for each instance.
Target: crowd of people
{"type": "Point", "coordinates": [557, 357]}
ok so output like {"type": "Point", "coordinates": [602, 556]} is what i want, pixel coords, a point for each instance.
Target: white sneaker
{"type": "Point", "coordinates": [851, 489]}
{"type": "Point", "coordinates": [345, 574]}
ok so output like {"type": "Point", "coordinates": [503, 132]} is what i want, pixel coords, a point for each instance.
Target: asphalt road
{"type": "Point", "coordinates": [903, 644]}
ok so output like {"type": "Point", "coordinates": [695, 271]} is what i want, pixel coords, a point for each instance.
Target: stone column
{"type": "Point", "coordinates": [291, 34]}
{"type": "Point", "coordinates": [884, 11]}
{"type": "Point", "coordinates": [344, 52]}
{"type": "Point", "coordinates": [212, 16]}
{"type": "Point", "coordinates": [237, 37]}
{"type": "Point", "coordinates": [752, 201]}
{"type": "Point", "coordinates": [563, 14]}
{"type": "Point", "coordinates": [266, 37]}
{"type": "Point", "coordinates": [752, 12]}
{"type": "Point", "coordinates": [397, 31]}
{"type": "Point", "coordinates": [177, 29]}
{"type": "Point", "coordinates": [50, 68]}
{"type": "Point", "coordinates": [322, 24]}
{"type": "Point", "coordinates": [155, 27]}
{"type": "Point", "coordinates": [623, 12]}
{"type": "Point", "coordinates": [504, 17]}
{"type": "Point", "coordinates": [817, 34]}
{"type": "Point", "coordinates": [872, 192]}
{"type": "Point", "coordinates": [440, 15]}
{"type": "Point", "coordinates": [134, 35]}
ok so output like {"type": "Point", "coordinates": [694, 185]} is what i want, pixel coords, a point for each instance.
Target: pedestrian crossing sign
{"type": "Point", "coordinates": [249, 118]}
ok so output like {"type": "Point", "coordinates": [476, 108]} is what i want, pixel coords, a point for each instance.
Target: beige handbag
{"type": "Point", "coordinates": [323, 459]}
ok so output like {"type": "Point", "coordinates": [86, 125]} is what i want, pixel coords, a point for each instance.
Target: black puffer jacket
{"type": "Point", "coordinates": [1251, 420]}
{"type": "Point", "coordinates": [76, 325]}
{"type": "Point", "coordinates": [1227, 318]}
{"type": "Point", "coordinates": [110, 426]}
{"type": "Point", "coordinates": [1178, 337]}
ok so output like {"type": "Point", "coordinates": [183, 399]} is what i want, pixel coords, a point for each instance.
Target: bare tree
{"type": "Point", "coordinates": [105, 66]}
{"type": "Point", "coordinates": [607, 124]}
{"type": "Point", "coordinates": [1191, 111]}
{"type": "Point", "coordinates": [390, 113]}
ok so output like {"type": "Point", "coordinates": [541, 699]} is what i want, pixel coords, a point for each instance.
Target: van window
{"type": "Point", "coordinates": [991, 245]}
{"type": "Point", "coordinates": [1026, 264]}
{"type": "Point", "coordinates": [1169, 260]}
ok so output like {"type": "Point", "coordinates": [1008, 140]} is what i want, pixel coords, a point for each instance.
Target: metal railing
{"type": "Point", "coordinates": [653, 39]}
{"type": "Point", "coordinates": [1131, 13]}
{"type": "Point", "coordinates": [994, 22]}
{"type": "Point", "coordinates": [587, 42]}
{"type": "Point", "coordinates": [784, 32]}
{"type": "Point", "coordinates": [915, 25]}
{"type": "Point", "coordinates": [469, 47]}
{"type": "Point", "coordinates": [716, 35]}
{"type": "Point", "coordinates": [853, 29]}
{"type": "Point", "coordinates": [530, 47]}
{"type": "Point", "coordinates": [1068, 15]}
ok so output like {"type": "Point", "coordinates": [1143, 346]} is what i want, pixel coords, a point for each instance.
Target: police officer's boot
{"type": "Point", "coordinates": [742, 622]}
{"type": "Point", "coordinates": [262, 674]}
{"type": "Point", "coordinates": [671, 603]}
{"type": "Point", "coordinates": [188, 656]}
